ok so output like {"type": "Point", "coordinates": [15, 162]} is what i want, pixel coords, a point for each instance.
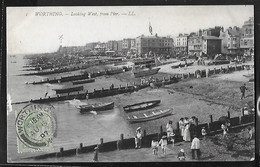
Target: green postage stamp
{"type": "Point", "coordinates": [35, 127]}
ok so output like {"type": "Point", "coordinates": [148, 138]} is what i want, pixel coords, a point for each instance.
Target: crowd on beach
{"type": "Point", "coordinates": [187, 130]}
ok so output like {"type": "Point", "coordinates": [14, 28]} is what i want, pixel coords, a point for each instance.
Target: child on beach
{"type": "Point", "coordinates": [95, 159]}
{"type": "Point", "coordinates": [163, 144]}
{"type": "Point", "coordinates": [181, 155]}
{"type": "Point", "coordinates": [203, 132]}
{"type": "Point", "coordinates": [155, 145]}
{"type": "Point", "coordinates": [223, 127]}
{"type": "Point", "coordinates": [138, 138]}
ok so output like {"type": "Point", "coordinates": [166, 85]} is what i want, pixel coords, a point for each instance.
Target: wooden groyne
{"type": "Point", "coordinates": [62, 79]}
{"type": "Point", "coordinates": [70, 69]}
{"type": "Point", "coordinates": [104, 92]}
{"type": "Point", "coordinates": [84, 75]}
{"type": "Point", "coordinates": [212, 128]}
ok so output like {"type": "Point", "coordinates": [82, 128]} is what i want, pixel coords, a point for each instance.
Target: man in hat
{"type": "Point", "coordinates": [243, 90]}
{"type": "Point", "coordinates": [95, 159]}
{"type": "Point", "coordinates": [195, 147]}
{"type": "Point", "coordinates": [138, 138]}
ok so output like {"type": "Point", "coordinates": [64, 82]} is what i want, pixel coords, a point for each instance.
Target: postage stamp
{"type": "Point", "coordinates": [35, 127]}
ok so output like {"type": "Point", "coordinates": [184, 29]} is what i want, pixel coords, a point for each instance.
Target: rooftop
{"type": "Point", "coordinates": [153, 37]}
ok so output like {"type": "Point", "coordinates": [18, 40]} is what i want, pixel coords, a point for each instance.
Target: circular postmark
{"type": "Point", "coordinates": [35, 127]}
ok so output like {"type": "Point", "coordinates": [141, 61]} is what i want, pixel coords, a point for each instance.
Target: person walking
{"type": "Point", "coordinates": [169, 129]}
{"type": "Point", "coordinates": [250, 133]}
{"type": "Point", "coordinates": [195, 147]}
{"type": "Point", "coordinates": [95, 159]}
{"type": "Point", "coordinates": [163, 144]}
{"type": "Point", "coordinates": [155, 145]}
{"type": "Point", "coordinates": [243, 89]}
{"type": "Point", "coordinates": [138, 138]}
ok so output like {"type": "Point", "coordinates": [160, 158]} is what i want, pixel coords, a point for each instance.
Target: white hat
{"type": "Point", "coordinates": [138, 128]}
{"type": "Point", "coordinates": [182, 150]}
{"type": "Point", "coordinates": [172, 134]}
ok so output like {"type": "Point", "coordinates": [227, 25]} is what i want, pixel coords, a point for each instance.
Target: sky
{"type": "Point", "coordinates": [29, 33]}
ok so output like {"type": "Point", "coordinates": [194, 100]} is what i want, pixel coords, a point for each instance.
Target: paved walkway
{"type": "Point", "coordinates": [191, 69]}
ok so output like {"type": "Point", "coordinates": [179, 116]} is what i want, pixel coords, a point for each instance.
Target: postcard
{"type": "Point", "coordinates": [130, 83]}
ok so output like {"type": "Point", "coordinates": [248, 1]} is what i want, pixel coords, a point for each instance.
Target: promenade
{"type": "Point", "coordinates": [212, 148]}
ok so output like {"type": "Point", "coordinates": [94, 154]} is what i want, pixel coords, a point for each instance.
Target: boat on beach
{"type": "Point", "coordinates": [182, 65]}
{"type": "Point", "coordinates": [83, 81]}
{"type": "Point", "coordinates": [150, 115]}
{"type": "Point", "coordinates": [145, 72]}
{"type": "Point", "coordinates": [120, 63]}
{"type": "Point", "coordinates": [141, 106]}
{"type": "Point", "coordinates": [68, 90]}
{"type": "Point", "coordinates": [95, 107]}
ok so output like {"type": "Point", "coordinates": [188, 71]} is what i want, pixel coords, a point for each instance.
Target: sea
{"type": "Point", "coordinates": [73, 128]}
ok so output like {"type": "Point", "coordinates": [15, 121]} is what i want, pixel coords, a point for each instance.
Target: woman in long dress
{"type": "Point", "coordinates": [186, 135]}
{"type": "Point", "coordinates": [169, 129]}
{"type": "Point", "coordinates": [138, 138]}
{"type": "Point", "coordinates": [181, 126]}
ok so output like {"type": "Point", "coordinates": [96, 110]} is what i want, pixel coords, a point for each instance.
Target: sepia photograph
{"type": "Point", "coordinates": [130, 84]}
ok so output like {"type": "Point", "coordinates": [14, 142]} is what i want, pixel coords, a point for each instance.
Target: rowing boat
{"type": "Point", "coordinates": [147, 72]}
{"type": "Point", "coordinates": [83, 81]}
{"type": "Point", "coordinates": [150, 115]}
{"type": "Point", "coordinates": [141, 106]}
{"type": "Point", "coordinates": [95, 107]}
{"type": "Point", "coordinates": [182, 65]}
{"type": "Point", "coordinates": [68, 90]}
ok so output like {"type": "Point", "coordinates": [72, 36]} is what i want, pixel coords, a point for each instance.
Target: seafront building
{"type": "Point", "coordinates": [231, 40]}
{"type": "Point", "coordinates": [211, 45]}
{"type": "Point", "coordinates": [247, 38]}
{"type": "Point", "coordinates": [234, 41]}
{"type": "Point", "coordinates": [194, 44]}
{"type": "Point", "coordinates": [181, 44]}
{"type": "Point", "coordinates": [154, 44]}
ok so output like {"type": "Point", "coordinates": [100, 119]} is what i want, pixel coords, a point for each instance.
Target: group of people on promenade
{"type": "Point", "coordinates": [187, 129]}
